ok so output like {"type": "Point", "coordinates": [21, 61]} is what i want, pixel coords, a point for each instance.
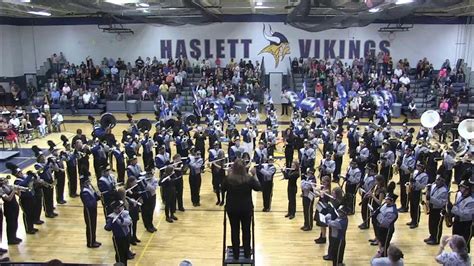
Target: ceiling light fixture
{"type": "Point", "coordinates": [40, 13]}
{"type": "Point", "coordinates": [263, 7]}
{"type": "Point", "coordinates": [403, 2]}
{"type": "Point", "coordinates": [143, 5]}
{"type": "Point", "coordinates": [122, 2]}
{"type": "Point", "coordinates": [374, 10]}
{"type": "Point", "coordinates": [259, 3]}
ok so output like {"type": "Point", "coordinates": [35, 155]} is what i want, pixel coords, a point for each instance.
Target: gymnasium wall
{"type": "Point", "coordinates": [24, 48]}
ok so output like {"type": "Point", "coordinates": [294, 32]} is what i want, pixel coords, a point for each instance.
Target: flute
{"type": "Point", "coordinates": [118, 215]}
{"type": "Point", "coordinates": [166, 166]}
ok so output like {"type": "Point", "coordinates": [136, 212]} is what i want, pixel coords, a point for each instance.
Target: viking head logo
{"type": "Point", "coordinates": [278, 47]}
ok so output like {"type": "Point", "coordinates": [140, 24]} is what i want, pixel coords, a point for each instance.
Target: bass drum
{"type": "Point", "coordinates": [189, 119]}
{"type": "Point", "coordinates": [144, 125]}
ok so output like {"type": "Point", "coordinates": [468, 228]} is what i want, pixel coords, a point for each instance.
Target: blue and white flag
{"type": "Point", "coordinates": [309, 104]}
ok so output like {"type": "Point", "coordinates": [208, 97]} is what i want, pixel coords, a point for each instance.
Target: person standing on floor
{"type": "Point", "coordinates": [89, 197]}
{"type": "Point", "coordinates": [119, 223]}
{"type": "Point", "coordinates": [239, 206]}
{"type": "Point", "coordinates": [291, 174]}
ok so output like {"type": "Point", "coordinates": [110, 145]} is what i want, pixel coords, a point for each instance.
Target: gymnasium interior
{"type": "Point", "coordinates": [130, 68]}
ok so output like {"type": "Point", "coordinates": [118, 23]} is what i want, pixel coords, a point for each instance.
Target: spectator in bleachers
{"type": "Point", "coordinates": [412, 109]}
{"type": "Point", "coordinates": [42, 126]}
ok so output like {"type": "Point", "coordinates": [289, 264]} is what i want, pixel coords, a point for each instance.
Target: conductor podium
{"type": "Point", "coordinates": [228, 254]}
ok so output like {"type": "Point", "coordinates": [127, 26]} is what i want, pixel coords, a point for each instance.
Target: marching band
{"type": "Point", "coordinates": [376, 156]}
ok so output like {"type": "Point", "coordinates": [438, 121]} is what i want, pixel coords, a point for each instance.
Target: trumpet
{"type": "Point", "coordinates": [21, 188]}
{"type": "Point", "coordinates": [396, 169]}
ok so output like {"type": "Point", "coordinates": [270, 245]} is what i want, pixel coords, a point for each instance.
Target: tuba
{"type": "Point", "coordinates": [430, 119]}
{"type": "Point", "coordinates": [108, 120]}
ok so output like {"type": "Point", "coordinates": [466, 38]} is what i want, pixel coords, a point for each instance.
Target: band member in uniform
{"type": "Point", "coordinates": [147, 143]}
{"type": "Point", "coordinates": [387, 159]}
{"type": "Point", "coordinates": [267, 171]}
{"type": "Point", "coordinates": [437, 198]}
{"type": "Point", "coordinates": [178, 168]}
{"type": "Point", "coordinates": [386, 216]}
{"type": "Point", "coordinates": [235, 151]}
{"type": "Point", "coordinates": [183, 143]}
{"type": "Point", "coordinates": [59, 171]}
{"type": "Point", "coordinates": [463, 209]}
{"type": "Point", "coordinates": [366, 188]}
{"type": "Point", "coordinates": [44, 168]}
{"type": "Point", "coordinates": [448, 165]}
{"type": "Point", "coordinates": [321, 207]}
{"type": "Point", "coordinates": [119, 222]}
{"type": "Point", "coordinates": [82, 153]}
{"type": "Point", "coordinates": [89, 198]}
{"type": "Point", "coordinates": [417, 183]}
{"type": "Point", "coordinates": [337, 235]}
{"type": "Point", "coordinates": [218, 175]}
{"type": "Point", "coordinates": [362, 156]}
{"type": "Point", "coordinates": [100, 154]}
{"type": "Point", "coordinates": [339, 149]}
{"type": "Point", "coordinates": [120, 163]}
{"type": "Point", "coordinates": [131, 198]}
{"type": "Point", "coordinates": [406, 168]}
{"type": "Point", "coordinates": [291, 174]}
{"type": "Point", "coordinates": [353, 179]}
{"type": "Point", "coordinates": [289, 138]}
{"type": "Point", "coordinates": [107, 187]}
{"type": "Point", "coordinates": [26, 197]}
{"type": "Point", "coordinates": [199, 141]}
{"type": "Point", "coordinates": [133, 168]}
{"type": "Point", "coordinates": [195, 167]}
{"type": "Point", "coordinates": [377, 197]}
{"type": "Point", "coordinates": [353, 137]}
{"type": "Point", "coordinates": [148, 196]}
{"type": "Point", "coordinates": [327, 166]}
{"type": "Point", "coordinates": [71, 167]}
{"type": "Point", "coordinates": [11, 209]}
{"type": "Point", "coordinates": [306, 156]}
{"type": "Point", "coordinates": [162, 159]}
{"type": "Point", "coordinates": [308, 181]}
{"type": "Point", "coordinates": [248, 135]}
{"type": "Point", "coordinates": [261, 153]}
{"type": "Point", "coordinates": [270, 140]}
{"type": "Point", "coordinates": [169, 190]}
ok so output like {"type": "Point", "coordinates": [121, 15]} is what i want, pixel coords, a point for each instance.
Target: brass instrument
{"type": "Point", "coordinates": [426, 202]}
{"type": "Point", "coordinates": [396, 169]}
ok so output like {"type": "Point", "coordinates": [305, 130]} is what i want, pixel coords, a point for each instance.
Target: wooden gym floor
{"type": "Point", "coordinates": [197, 236]}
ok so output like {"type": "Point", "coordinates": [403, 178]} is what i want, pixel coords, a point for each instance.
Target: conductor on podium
{"type": "Point", "coordinates": [239, 206]}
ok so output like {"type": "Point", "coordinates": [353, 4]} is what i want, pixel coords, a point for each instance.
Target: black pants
{"type": "Point", "coordinates": [120, 173]}
{"type": "Point", "coordinates": [72, 181]}
{"type": "Point", "coordinates": [170, 201]}
{"type": "Point", "coordinates": [385, 172]}
{"type": "Point", "coordinates": [435, 224]}
{"type": "Point", "coordinates": [464, 229]}
{"type": "Point", "coordinates": [284, 108]}
{"type": "Point", "coordinates": [415, 197]}
{"type": "Point", "coordinates": [403, 190]}
{"type": "Point", "coordinates": [148, 207]}
{"type": "Point", "coordinates": [237, 219]}
{"type": "Point", "coordinates": [195, 187]}
{"type": "Point", "coordinates": [90, 217]}
{"type": "Point", "coordinates": [365, 211]}
{"type": "Point", "coordinates": [28, 207]}
{"type": "Point", "coordinates": [337, 170]}
{"type": "Point", "coordinates": [384, 237]}
{"type": "Point", "coordinates": [267, 193]}
{"type": "Point", "coordinates": [336, 250]}
{"type": "Point", "coordinates": [121, 246]}
{"type": "Point", "coordinates": [179, 193]}
{"type": "Point", "coordinates": [148, 162]}
{"type": "Point", "coordinates": [48, 202]}
{"type": "Point", "coordinates": [291, 192]}
{"type": "Point", "coordinates": [351, 195]}
{"type": "Point", "coordinates": [37, 204]}
{"type": "Point", "coordinates": [11, 212]}
{"type": "Point", "coordinates": [308, 212]}
{"type": "Point", "coordinates": [61, 182]}
{"type": "Point", "coordinates": [289, 150]}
